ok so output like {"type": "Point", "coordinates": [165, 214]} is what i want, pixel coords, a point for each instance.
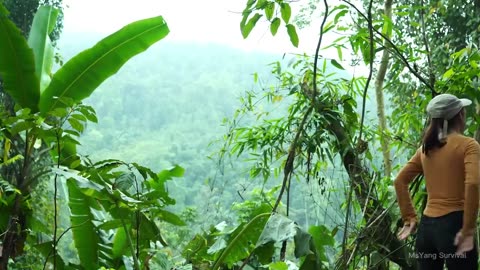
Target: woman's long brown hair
{"type": "Point", "coordinates": [431, 138]}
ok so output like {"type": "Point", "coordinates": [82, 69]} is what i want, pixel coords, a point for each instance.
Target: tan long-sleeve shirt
{"type": "Point", "coordinates": [452, 176]}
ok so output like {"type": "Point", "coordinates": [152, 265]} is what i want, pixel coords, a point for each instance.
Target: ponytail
{"type": "Point", "coordinates": [431, 139]}
{"type": "Point", "coordinates": [434, 137]}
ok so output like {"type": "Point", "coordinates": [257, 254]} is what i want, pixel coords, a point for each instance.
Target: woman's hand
{"type": "Point", "coordinates": [463, 243]}
{"type": "Point", "coordinates": [407, 229]}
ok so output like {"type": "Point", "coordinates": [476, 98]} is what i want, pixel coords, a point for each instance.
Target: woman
{"type": "Point", "coordinates": [450, 164]}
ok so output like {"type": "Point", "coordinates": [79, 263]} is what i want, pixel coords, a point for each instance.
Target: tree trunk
{"type": "Point", "coordinates": [15, 236]}
{"type": "Point", "coordinates": [380, 232]}
{"type": "Point", "coordinates": [382, 122]}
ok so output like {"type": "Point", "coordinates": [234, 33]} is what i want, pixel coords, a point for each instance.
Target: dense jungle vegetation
{"type": "Point", "coordinates": [129, 152]}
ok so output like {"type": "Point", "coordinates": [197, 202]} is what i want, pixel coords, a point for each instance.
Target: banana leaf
{"type": "Point", "coordinates": [17, 66]}
{"type": "Point", "coordinates": [82, 74]}
{"type": "Point", "coordinates": [43, 24]}
{"type": "Point", "coordinates": [85, 236]}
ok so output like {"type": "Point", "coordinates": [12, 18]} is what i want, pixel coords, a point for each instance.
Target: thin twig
{"type": "Point", "coordinates": [137, 216]}
{"type": "Point", "coordinates": [129, 240]}
{"type": "Point", "coordinates": [55, 214]}
{"type": "Point", "coordinates": [370, 72]}
{"type": "Point", "coordinates": [317, 50]}
{"type": "Point", "coordinates": [368, 197]}
{"type": "Point", "coordinates": [288, 168]}
{"type": "Point", "coordinates": [347, 216]}
{"type": "Point", "coordinates": [392, 252]}
{"type": "Point", "coordinates": [58, 240]}
{"type": "Point", "coordinates": [362, 121]}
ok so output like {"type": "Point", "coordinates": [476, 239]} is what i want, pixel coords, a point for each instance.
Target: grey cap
{"type": "Point", "coordinates": [446, 106]}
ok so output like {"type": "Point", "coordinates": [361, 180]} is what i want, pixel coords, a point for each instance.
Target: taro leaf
{"type": "Point", "coordinates": [321, 237]}
{"type": "Point", "coordinates": [220, 244]}
{"type": "Point", "coordinates": [310, 263]}
{"type": "Point", "coordinates": [196, 250]}
{"type": "Point", "coordinates": [265, 253]}
{"type": "Point", "coordinates": [241, 241]}
{"type": "Point", "coordinates": [277, 229]}
{"type": "Point", "coordinates": [302, 243]}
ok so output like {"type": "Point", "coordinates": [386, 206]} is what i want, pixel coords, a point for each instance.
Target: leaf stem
{"type": "Point", "coordinates": [129, 239]}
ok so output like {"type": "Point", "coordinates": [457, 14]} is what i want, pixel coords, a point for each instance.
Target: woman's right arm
{"type": "Point", "coordinates": [472, 185]}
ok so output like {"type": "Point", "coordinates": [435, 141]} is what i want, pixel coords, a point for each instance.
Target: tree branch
{"type": "Point", "coordinates": [396, 50]}
{"type": "Point", "coordinates": [431, 72]}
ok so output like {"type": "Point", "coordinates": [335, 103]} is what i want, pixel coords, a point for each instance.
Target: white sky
{"type": "Point", "coordinates": [214, 21]}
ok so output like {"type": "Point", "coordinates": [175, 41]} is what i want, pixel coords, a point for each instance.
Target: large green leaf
{"type": "Point", "coordinates": [17, 67]}
{"type": "Point", "coordinates": [240, 241]}
{"type": "Point", "coordinates": [265, 253]}
{"type": "Point", "coordinates": [43, 24]}
{"type": "Point", "coordinates": [84, 234]}
{"type": "Point", "coordinates": [278, 229]}
{"type": "Point", "coordinates": [80, 76]}
{"type": "Point", "coordinates": [196, 250]}
{"type": "Point", "coordinates": [321, 237]}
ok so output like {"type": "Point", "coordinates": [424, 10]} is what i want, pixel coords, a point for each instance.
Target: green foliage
{"type": "Point", "coordinates": [292, 33]}
{"type": "Point", "coordinates": [256, 239]}
{"type": "Point", "coordinates": [286, 12]}
{"type": "Point", "coordinates": [115, 206]}
{"type": "Point", "coordinates": [17, 66]}
{"type": "Point", "coordinates": [84, 234]}
{"type": "Point", "coordinates": [239, 242]}
{"type": "Point", "coordinates": [123, 205]}
{"type": "Point", "coordinates": [80, 76]}
{"type": "Point", "coordinates": [125, 209]}
{"type": "Point", "coordinates": [274, 26]}
{"type": "Point", "coordinates": [266, 142]}
{"type": "Point", "coordinates": [269, 8]}
{"type": "Point", "coordinates": [39, 40]}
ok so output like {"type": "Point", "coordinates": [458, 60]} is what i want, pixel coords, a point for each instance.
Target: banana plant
{"type": "Point", "coordinates": [49, 109]}
{"type": "Point", "coordinates": [26, 66]}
